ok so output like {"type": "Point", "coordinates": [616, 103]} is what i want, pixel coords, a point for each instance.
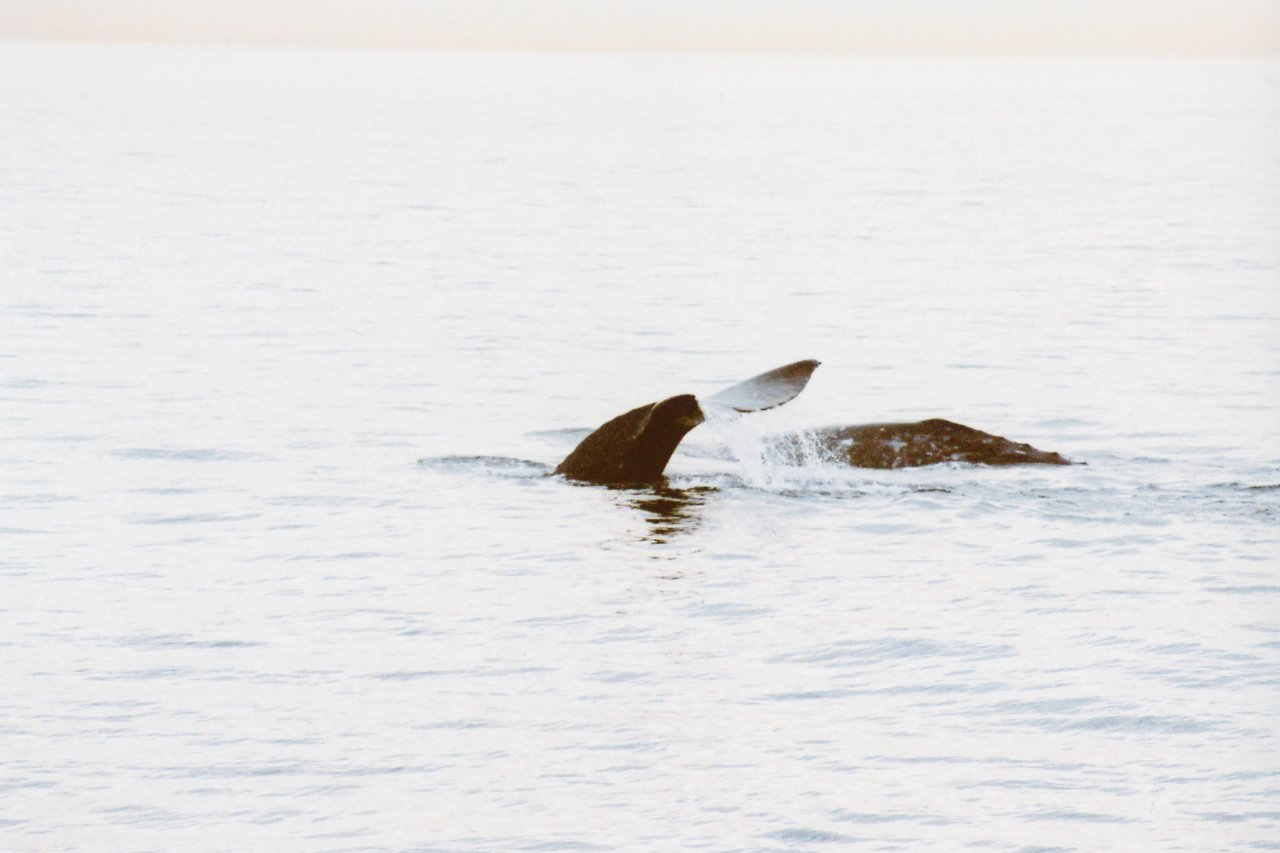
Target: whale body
{"type": "Point", "coordinates": [912, 445]}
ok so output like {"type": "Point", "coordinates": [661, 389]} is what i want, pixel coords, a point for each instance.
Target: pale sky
{"type": "Point", "coordinates": [834, 26]}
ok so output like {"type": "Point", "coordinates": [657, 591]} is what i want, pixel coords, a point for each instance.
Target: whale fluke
{"type": "Point", "coordinates": [634, 447]}
{"type": "Point", "coordinates": [766, 391]}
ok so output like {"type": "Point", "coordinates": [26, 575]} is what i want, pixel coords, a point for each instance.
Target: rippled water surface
{"type": "Point", "coordinates": [290, 340]}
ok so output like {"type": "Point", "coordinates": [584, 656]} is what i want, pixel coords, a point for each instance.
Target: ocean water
{"type": "Point", "coordinates": [290, 340]}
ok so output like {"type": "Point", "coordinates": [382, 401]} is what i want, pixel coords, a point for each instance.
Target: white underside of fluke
{"type": "Point", "coordinates": [765, 391]}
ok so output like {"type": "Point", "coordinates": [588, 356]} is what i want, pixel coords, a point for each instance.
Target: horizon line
{"type": "Point", "coordinates": [654, 50]}
{"type": "Point", "coordinates": [694, 27]}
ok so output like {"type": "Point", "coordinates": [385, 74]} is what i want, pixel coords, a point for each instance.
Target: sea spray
{"type": "Point", "coordinates": [772, 451]}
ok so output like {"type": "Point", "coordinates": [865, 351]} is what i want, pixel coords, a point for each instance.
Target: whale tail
{"type": "Point", "coordinates": [634, 447]}
{"type": "Point", "coordinates": [768, 390]}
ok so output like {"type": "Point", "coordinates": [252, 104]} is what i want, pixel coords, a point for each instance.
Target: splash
{"type": "Point", "coordinates": [772, 452]}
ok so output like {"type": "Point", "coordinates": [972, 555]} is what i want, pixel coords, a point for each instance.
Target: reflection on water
{"type": "Point", "coordinates": [670, 512]}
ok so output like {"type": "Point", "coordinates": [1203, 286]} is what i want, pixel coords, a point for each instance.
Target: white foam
{"type": "Point", "coordinates": [771, 451]}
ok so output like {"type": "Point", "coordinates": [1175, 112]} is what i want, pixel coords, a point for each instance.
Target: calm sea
{"type": "Point", "coordinates": [289, 340]}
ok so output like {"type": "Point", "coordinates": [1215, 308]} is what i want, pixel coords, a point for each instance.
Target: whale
{"type": "Point", "coordinates": [633, 449]}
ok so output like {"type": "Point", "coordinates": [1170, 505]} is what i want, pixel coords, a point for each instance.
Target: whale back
{"type": "Point", "coordinates": [909, 445]}
{"type": "Point", "coordinates": [634, 447]}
